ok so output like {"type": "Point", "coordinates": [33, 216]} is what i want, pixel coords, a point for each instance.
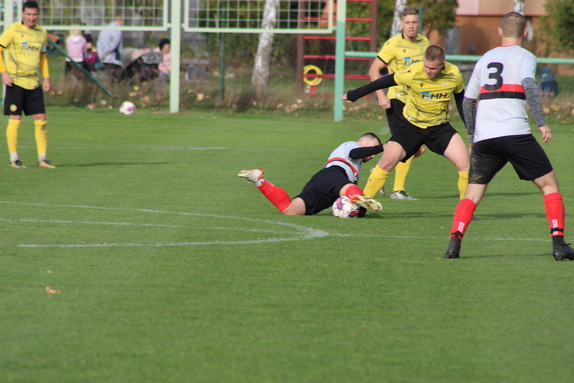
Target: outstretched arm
{"type": "Point", "coordinates": [365, 151]}
{"type": "Point", "coordinates": [381, 83]}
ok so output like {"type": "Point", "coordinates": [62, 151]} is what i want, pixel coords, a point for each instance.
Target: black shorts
{"type": "Point", "coordinates": [323, 189]}
{"type": "Point", "coordinates": [18, 100]}
{"type": "Point", "coordinates": [525, 154]}
{"type": "Point", "coordinates": [395, 114]}
{"type": "Point", "coordinates": [411, 137]}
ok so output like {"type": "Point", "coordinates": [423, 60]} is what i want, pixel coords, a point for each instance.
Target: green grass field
{"type": "Point", "coordinates": [170, 268]}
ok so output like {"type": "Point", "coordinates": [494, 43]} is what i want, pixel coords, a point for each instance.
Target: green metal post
{"type": "Point", "coordinates": [421, 19]}
{"type": "Point", "coordinates": [340, 59]}
{"type": "Point", "coordinates": [222, 53]}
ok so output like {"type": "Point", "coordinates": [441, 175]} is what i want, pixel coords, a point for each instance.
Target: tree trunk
{"type": "Point", "coordinates": [519, 6]}
{"type": "Point", "coordinates": [260, 76]}
{"type": "Point", "coordinates": [397, 28]}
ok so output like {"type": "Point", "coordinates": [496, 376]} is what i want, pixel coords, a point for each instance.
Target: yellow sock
{"type": "Point", "coordinates": [41, 136]}
{"type": "Point", "coordinates": [401, 172]}
{"type": "Point", "coordinates": [462, 183]}
{"type": "Point", "coordinates": [12, 135]}
{"type": "Point", "coordinates": [376, 181]}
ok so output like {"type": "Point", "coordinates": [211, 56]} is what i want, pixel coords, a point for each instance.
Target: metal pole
{"type": "Point", "coordinates": [222, 52]}
{"type": "Point", "coordinates": [8, 20]}
{"type": "Point", "coordinates": [175, 43]}
{"type": "Point", "coordinates": [340, 59]}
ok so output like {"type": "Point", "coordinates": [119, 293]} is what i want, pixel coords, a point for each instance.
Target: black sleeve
{"type": "Point", "coordinates": [380, 83]}
{"type": "Point", "coordinates": [459, 97]}
{"type": "Point", "coordinates": [365, 151]}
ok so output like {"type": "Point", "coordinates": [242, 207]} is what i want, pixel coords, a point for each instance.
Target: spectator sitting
{"type": "Point", "coordinates": [76, 49]}
{"type": "Point", "coordinates": [165, 66]}
{"type": "Point", "coordinates": [92, 59]}
{"type": "Point", "coordinates": [548, 84]}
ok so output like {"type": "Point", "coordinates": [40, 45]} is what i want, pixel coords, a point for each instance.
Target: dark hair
{"type": "Point", "coordinates": [371, 136]}
{"type": "Point", "coordinates": [162, 42]}
{"type": "Point", "coordinates": [30, 4]}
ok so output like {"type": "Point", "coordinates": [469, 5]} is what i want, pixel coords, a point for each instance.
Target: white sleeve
{"type": "Point", "coordinates": [472, 90]}
{"type": "Point", "coordinates": [528, 66]}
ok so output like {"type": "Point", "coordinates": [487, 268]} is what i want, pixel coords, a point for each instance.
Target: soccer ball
{"type": "Point", "coordinates": [344, 208]}
{"type": "Point", "coordinates": [127, 108]}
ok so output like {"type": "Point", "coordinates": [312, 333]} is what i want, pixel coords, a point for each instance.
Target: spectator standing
{"type": "Point", "coordinates": [25, 44]}
{"type": "Point", "coordinates": [76, 48]}
{"type": "Point", "coordinates": [548, 84]}
{"type": "Point", "coordinates": [110, 47]}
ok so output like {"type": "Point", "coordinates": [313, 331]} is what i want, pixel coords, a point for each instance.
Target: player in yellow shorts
{"type": "Point", "coordinates": [25, 45]}
{"type": "Point", "coordinates": [397, 53]}
{"type": "Point", "coordinates": [431, 85]}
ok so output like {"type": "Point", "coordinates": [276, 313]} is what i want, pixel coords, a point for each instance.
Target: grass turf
{"type": "Point", "coordinates": [171, 268]}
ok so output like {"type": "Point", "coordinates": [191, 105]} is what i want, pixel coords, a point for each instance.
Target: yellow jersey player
{"type": "Point", "coordinates": [430, 86]}
{"type": "Point", "coordinates": [25, 44]}
{"type": "Point", "coordinates": [397, 53]}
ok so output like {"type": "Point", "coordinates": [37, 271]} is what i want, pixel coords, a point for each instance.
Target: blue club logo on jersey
{"type": "Point", "coordinates": [409, 60]}
{"type": "Point", "coordinates": [28, 47]}
{"type": "Point", "coordinates": [428, 96]}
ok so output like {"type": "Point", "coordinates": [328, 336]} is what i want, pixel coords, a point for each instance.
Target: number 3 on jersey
{"type": "Point", "coordinates": [495, 75]}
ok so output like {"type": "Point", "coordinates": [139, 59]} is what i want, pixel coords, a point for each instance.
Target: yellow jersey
{"type": "Point", "coordinates": [428, 100]}
{"type": "Point", "coordinates": [23, 47]}
{"type": "Point", "coordinates": [399, 53]}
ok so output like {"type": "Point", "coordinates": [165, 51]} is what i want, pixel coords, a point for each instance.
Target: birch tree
{"type": "Point", "coordinates": [397, 27]}
{"type": "Point", "coordinates": [260, 77]}
{"type": "Point", "coordinates": [519, 6]}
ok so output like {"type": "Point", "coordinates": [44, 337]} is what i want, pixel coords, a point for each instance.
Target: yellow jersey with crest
{"type": "Point", "coordinates": [428, 100]}
{"type": "Point", "coordinates": [398, 53]}
{"type": "Point", "coordinates": [23, 47]}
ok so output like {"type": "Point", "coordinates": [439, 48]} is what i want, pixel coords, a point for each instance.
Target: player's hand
{"type": "Point", "coordinates": [344, 98]}
{"type": "Point", "coordinates": [384, 101]}
{"type": "Point", "coordinates": [6, 78]}
{"type": "Point", "coordinates": [546, 133]}
{"type": "Point", "coordinates": [46, 86]}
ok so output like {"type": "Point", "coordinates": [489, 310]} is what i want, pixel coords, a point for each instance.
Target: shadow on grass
{"type": "Point", "coordinates": [116, 164]}
{"type": "Point", "coordinates": [495, 194]}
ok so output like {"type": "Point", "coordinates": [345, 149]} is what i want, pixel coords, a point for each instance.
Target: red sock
{"type": "Point", "coordinates": [462, 217]}
{"type": "Point", "coordinates": [353, 190]}
{"type": "Point", "coordinates": [555, 213]}
{"type": "Point", "coordinates": [276, 195]}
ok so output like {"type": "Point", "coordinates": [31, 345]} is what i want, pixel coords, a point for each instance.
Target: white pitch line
{"type": "Point", "coordinates": [141, 225]}
{"type": "Point", "coordinates": [301, 232]}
